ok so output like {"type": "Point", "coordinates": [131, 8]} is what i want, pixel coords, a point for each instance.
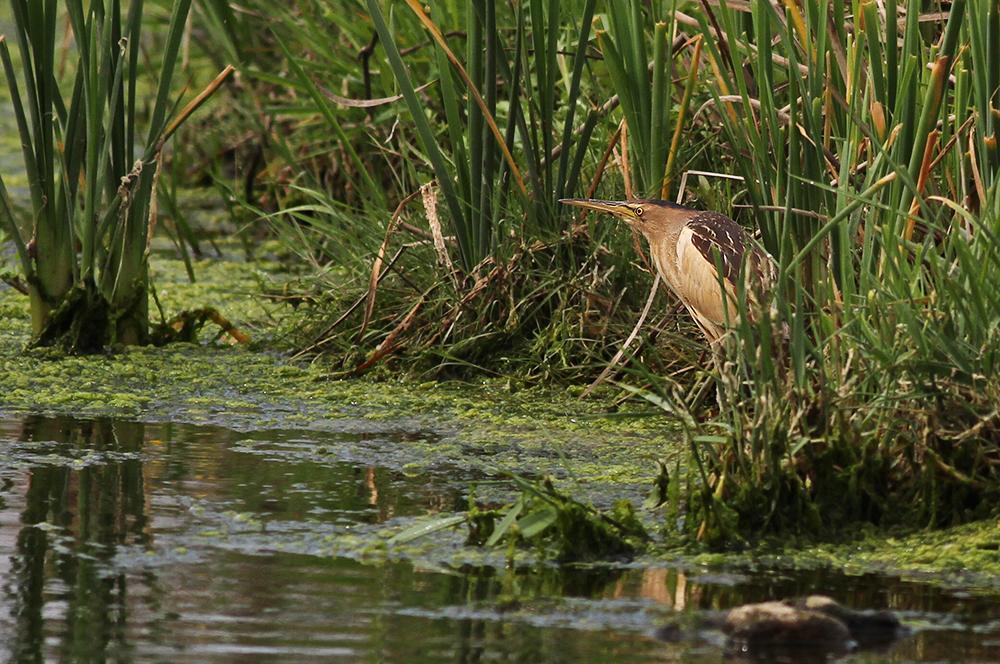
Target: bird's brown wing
{"type": "Point", "coordinates": [708, 240]}
{"type": "Point", "coordinates": [711, 229]}
{"type": "Point", "coordinates": [698, 285]}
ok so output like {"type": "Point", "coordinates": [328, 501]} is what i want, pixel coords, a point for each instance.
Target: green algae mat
{"type": "Point", "coordinates": [533, 431]}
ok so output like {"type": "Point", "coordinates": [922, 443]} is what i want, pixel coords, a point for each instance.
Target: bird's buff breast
{"type": "Point", "coordinates": [699, 292]}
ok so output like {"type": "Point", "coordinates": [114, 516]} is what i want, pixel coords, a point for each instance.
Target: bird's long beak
{"type": "Point", "coordinates": [617, 208]}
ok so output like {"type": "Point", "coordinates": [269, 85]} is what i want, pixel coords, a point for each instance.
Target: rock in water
{"type": "Point", "coordinates": [802, 630]}
{"type": "Point", "coordinates": [870, 629]}
{"type": "Point", "coordinates": [769, 624]}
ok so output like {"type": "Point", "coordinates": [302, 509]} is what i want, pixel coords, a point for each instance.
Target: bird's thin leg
{"type": "Point", "coordinates": [719, 362]}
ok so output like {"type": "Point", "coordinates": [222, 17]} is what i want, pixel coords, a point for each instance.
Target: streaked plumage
{"type": "Point", "coordinates": [686, 246]}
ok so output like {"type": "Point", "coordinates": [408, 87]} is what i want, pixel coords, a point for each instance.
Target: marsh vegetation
{"type": "Point", "coordinates": [394, 170]}
{"type": "Point", "coordinates": [415, 162]}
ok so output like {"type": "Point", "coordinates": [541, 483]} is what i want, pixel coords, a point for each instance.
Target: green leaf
{"type": "Point", "coordinates": [708, 438]}
{"type": "Point", "coordinates": [425, 528]}
{"type": "Point", "coordinates": [426, 135]}
{"type": "Point", "coordinates": [536, 522]}
{"type": "Point", "coordinates": [506, 522]}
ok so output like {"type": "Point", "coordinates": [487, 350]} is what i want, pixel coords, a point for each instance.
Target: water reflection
{"type": "Point", "coordinates": [72, 522]}
{"type": "Point", "coordinates": [173, 542]}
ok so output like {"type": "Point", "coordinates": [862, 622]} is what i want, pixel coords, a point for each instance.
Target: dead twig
{"type": "Point", "coordinates": [367, 103]}
{"type": "Point", "coordinates": [377, 264]}
{"type": "Point", "coordinates": [389, 344]}
{"type": "Point", "coordinates": [429, 197]}
{"type": "Point", "coordinates": [185, 326]}
{"type": "Point", "coordinates": [323, 337]}
{"type": "Point", "coordinates": [613, 364]}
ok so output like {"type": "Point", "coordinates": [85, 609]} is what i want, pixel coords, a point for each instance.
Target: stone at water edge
{"type": "Point", "coordinates": [867, 628]}
{"type": "Point", "coordinates": [767, 624]}
{"type": "Point", "coordinates": [807, 629]}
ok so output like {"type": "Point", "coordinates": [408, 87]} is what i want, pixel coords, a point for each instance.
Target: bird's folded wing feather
{"type": "Point", "coordinates": [699, 279]}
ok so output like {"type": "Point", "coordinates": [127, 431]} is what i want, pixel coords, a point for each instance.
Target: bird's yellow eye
{"type": "Point", "coordinates": [638, 212]}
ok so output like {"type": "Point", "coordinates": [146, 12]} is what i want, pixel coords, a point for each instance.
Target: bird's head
{"type": "Point", "coordinates": [650, 217]}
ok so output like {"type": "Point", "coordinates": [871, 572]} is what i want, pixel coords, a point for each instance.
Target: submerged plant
{"type": "Point", "coordinates": [553, 521]}
{"type": "Point", "coordinates": [548, 520]}
{"type": "Point", "coordinates": [92, 175]}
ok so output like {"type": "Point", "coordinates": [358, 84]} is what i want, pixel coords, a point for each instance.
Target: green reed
{"type": "Point", "coordinates": [92, 171]}
{"type": "Point", "coordinates": [868, 390]}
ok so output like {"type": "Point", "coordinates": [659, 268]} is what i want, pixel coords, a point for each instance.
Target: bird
{"type": "Point", "coordinates": [686, 246]}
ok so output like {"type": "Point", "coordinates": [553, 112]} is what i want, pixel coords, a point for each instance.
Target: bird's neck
{"type": "Point", "coordinates": [663, 250]}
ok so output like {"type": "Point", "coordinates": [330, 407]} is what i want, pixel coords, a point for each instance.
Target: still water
{"type": "Point", "coordinates": [167, 542]}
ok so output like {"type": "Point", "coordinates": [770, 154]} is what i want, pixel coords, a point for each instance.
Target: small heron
{"type": "Point", "coordinates": [687, 247]}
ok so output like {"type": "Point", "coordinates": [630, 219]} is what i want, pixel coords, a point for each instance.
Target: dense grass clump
{"type": "Point", "coordinates": [479, 269]}
{"type": "Point", "coordinates": [870, 160]}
